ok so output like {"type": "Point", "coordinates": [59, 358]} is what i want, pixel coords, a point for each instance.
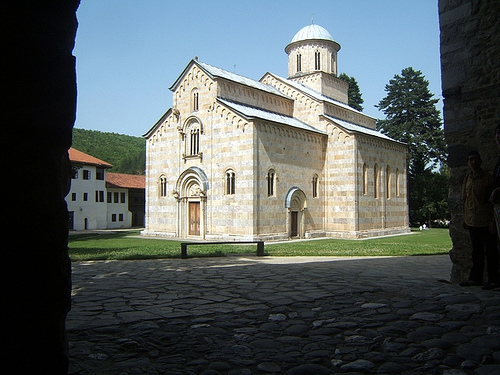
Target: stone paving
{"type": "Point", "coordinates": [266, 315]}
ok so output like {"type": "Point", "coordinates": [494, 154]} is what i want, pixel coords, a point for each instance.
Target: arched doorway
{"type": "Point", "coordinates": [191, 193]}
{"type": "Point", "coordinates": [295, 203]}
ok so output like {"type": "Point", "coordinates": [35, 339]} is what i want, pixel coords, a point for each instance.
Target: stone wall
{"type": "Point", "coordinates": [470, 64]}
{"type": "Point", "coordinates": [38, 112]}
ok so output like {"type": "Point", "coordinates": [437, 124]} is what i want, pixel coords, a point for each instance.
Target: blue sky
{"type": "Point", "coordinates": [129, 52]}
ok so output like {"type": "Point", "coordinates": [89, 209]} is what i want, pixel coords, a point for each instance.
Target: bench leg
{"type": "Point", "coordinates": [184, 253]}
{"type": "Point", "coordinates": [260, 248]}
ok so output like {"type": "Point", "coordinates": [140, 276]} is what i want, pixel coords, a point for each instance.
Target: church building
{"type": "Point", "coordinates": [279, 158]}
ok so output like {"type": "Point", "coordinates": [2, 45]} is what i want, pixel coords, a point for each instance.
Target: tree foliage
{"type": "Point", "coordinates": [412, 118]}
{"type": "Point", "coordinates": [354, 94]}
{"type": "Point", "coordinates": [126, 153]}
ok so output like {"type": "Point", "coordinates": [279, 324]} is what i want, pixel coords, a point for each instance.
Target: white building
{"type": "Point", "coordinates": [102, 200]}
{"type": "Point", "coordinates": [125, 199]}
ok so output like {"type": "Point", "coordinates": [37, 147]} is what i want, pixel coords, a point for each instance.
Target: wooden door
{"type": "Point", "coordinates": [294, 224]}
{"type": "Point", "coordinates": [194, 218]}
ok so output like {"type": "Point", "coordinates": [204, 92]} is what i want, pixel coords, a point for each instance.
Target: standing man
{"type": "Point", "coordinates": [479, 220]}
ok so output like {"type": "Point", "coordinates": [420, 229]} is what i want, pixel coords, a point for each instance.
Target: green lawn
{"type": "Point", "coordinates": [123, 245]}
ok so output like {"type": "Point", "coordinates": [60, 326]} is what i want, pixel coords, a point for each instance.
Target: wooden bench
{"type": "Point", "coordinates": [260, 246]}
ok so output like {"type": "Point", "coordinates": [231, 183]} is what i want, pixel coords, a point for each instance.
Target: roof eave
{"type": "Point", "coordinates": [350, 131]}
{"type": "Point", "coordinates": [174, 85]}
{"type": "Point", "coordinates": [291, 44]}
{"type": "Point", "coordinates": [250, 118]}
{"type": "Point", "coordinates": [157, 124]}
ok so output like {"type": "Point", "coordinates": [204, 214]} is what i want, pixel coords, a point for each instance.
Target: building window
{"type": "Point", "coordinates": [317, 60]}
{"type": "Point", "coordinates": [315, 185]}
{"type": "Point", "coordinates": [375, 180]}
{"type": "Point", "coordinates": [122, 197]}
{"type": "Point", "coordinates": [99, 195]}
{"type": "Point", "coordinates": [388, 182]}
{"type": "Point", "coordinates": [113, 217]}
{"type": "Point", "coordinates": [271, 177]}
{"type": "Point", "coordinates": [195, 100]}
{"type": "Point", "coordinates": [191, 137]}
{"type": "Point", "coordinates": [110, 197]}
{"type": "Point", "coordinates": [365, 179]}
{"type": "Point", "coordinates": [230, 182]}
{"type": "Point", "coordinates": [73, 197]}
{"type": "Point", "coordinates": [163, 186]}
{"type": "Point", "coordinates": [99, 174]}
{"type": "Point", "coordinates": [397, 183]}
{"type": "Point", "coordinates": [299, 62]}
{"type": "Point", "coordinates": [86, 174]}
{"type": "Point", "coordinates": [85, 197]}
{"type": "Point", "coordinates": [115, 197]}
{"type": "Point", "coordinates": [74, 173]}
{"type": "Point", "coordinates": [194, 142]}
{"type": "Point", "coordinates": [120, 217]}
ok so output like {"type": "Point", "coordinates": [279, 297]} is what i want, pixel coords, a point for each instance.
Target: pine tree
{"type": "Point", "coordinates": [354, 94]}
{"type": "Point", "coordinates": [412, 118]}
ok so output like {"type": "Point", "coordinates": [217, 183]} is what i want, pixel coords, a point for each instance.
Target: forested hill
{"type": "Point", "coordinates": [126, 153]}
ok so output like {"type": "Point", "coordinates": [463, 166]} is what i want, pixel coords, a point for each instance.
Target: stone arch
{"type": "Point", "coordinates": [191, 194]}
{"type": "Point", "coordinates": [295, 204]}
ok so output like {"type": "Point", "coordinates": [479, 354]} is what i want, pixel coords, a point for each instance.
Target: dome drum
{"type": "Point", "coordinates": [312, 50]}
{"type": "Point", "coordinates": [312, 33]}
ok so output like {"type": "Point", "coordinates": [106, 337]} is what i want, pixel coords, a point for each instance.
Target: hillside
{"type": "Point", "coordinates": [126, 153]}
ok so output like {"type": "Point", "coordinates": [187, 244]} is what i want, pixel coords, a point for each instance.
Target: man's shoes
{"type": "Point", "coordinates": [469, 283]}
{"type": "Point", "coordinates": [491, 286]}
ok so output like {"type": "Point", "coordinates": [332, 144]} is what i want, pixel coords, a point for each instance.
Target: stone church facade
{"type": "Point", "coordinates": [278, 158]}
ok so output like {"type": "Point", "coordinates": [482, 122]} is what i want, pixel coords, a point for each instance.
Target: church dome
{"type": "Point", "coordinates": [312, 32]}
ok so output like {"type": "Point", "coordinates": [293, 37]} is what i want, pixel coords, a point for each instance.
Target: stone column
{"type": "Point", "coordinates": [470, 65]}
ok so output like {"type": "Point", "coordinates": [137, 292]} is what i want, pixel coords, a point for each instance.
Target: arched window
{"type": "Point", "coordinates": [194, 100]}
{"type": "Point", "coordinates": [163, 186]}
{"type": "Point", "coordinates": [397, 183]}
{"type": "Point", "coordinates": [230, 182]}
{"type": "Point", "coordinates": [194, 141]}
{"type": "Point", "coordinates": [315, 186]}
{"type": "Point", "coordinates": [271, 177]}
{"type": "Point", "coordinates": [191, 136]}
{"type": "Point", "coordinates": [299, 62]}
{"type": "Point", "coordinates": [388, 182]}
{"type": "Point", "coordinates": [375, 180]}
{"type": "Point", "coordinates": [365, 179]}
{"type": "Point", "coordinates": [317, 60]}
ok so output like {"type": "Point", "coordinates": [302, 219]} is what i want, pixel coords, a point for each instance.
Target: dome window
{"type": "Point", "coordinates": [317, 60]}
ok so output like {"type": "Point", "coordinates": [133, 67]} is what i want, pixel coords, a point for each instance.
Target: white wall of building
{"type": "Point", "coordinates": [118, 215]}
{"type": "Point", "coordinates": [87, 199]}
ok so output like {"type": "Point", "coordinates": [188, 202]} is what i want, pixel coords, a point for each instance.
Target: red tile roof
{"type": "Point", "coordinates": [122, 180]}
{"type": "Point", "coordinates": [82, 157]}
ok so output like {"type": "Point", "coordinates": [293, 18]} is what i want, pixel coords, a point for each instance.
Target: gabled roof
{"type": "Point", "coordinates": [353, 128]}
{"type": "Point", "coordinates": [214, 72]}
{"type": "Point", "coordinates": [252, 112]}
{"type": "Point", "coordinates": [83, 158]}
{"type": "Point", "coordinates": [314, 94]}
{"type": "Point", "coordinates": [158, 123]}
{"type": "Point", "coordinates": [122, 180]}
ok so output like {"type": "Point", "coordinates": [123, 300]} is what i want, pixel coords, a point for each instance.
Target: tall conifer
{"type": "Point", "coordinates": [412, 117]}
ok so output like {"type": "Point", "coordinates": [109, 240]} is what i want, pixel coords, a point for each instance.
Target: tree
{"type": "Point", "coordinates": [412, 118]}
{"type": "Point", "coordinates": [354, 94]}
